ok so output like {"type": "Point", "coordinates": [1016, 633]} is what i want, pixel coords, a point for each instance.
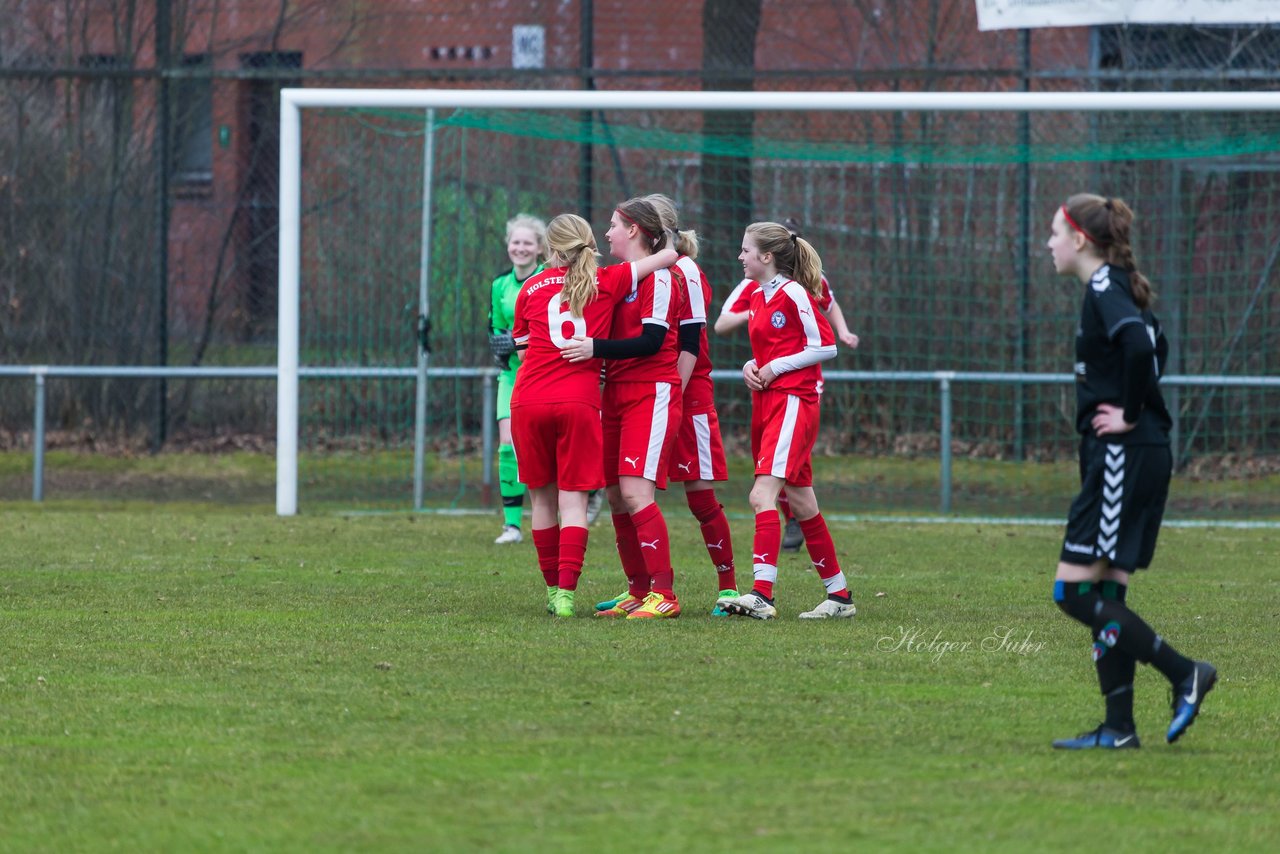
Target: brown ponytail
{"type": "Point", "coordinates": [642, 215]}
{"type": "Point", "coordinates": [1106, 223]}
{"type": "Point", "coordinates": [687, 240]}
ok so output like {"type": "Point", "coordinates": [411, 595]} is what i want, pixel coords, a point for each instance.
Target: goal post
{"type": "Point", "coordinates": [296, 102]}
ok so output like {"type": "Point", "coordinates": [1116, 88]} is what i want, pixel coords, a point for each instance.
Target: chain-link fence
{"type": "Point", "coordinates": [101, 94]}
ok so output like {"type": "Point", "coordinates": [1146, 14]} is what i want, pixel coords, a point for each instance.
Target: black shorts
{"type": "Point", "coordinates": [1117, 515]}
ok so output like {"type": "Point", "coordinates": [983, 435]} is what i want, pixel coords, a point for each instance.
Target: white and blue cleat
{"type": "Point", "coordinates": [1189, 697]}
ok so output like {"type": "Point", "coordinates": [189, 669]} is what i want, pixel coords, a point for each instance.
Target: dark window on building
{"type": "Point", "coordinates": [192, 109]}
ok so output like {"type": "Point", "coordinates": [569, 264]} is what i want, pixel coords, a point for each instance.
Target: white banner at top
{"type": "Point", "coordinates": [1018, 14]}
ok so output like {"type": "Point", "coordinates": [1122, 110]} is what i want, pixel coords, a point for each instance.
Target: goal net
{"type": "Point", "coordinates": [930, 212]}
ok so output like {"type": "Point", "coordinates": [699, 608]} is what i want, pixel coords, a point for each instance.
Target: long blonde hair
{"type": "Point", "coordinates": [569, 237]}
{"type": "Point", "coordinates": [792, 254]}
{"type": "Point", "coordinates": [686, 241]}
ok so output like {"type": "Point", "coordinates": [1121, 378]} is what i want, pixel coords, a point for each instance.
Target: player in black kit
{"type": "Point", "coordinates": [1125, 465]}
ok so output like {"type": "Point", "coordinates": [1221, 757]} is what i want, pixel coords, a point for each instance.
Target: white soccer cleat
{"type": "Point", "coordinates": [751, 605]}
{"type": "Point", "coordinates": [510, 534]}
{"type": "Point", "coordinates": [830, 609]}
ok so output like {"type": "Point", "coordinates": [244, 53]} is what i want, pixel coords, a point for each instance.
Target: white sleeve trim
{"type": "Point", "coordinates": [693, 284]}
{"type": "Point", "coordinates": [806, 357]}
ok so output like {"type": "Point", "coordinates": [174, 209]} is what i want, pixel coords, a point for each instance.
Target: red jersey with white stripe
{"type": "Point", "coordinates": [785, 320]}
{"type": "Point", "coordinates": [660, 299]}
{"type": "Point", "coordinates": [544, 324]}
{"type": "Point", "coordinates": [738, 300]}
{"type": "Point", "coordinates": [699, 393]}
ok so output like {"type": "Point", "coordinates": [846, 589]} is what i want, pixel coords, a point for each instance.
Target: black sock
{"type": "Point", "coordinates": [1120, 706]}
{"type": "Point", "coordinates": [1077, 599]}
{"type": "Point", "coordinates": [1113, 590]}
{"type": "Point", "coordinates": [1115, 671]}
{"type": "Point", "coordinates": [1116, 627]}
{"type": "Point", "coordinates": [846, 599]}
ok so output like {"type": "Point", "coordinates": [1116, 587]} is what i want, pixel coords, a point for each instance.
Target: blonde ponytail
{"type": "Point", "coordinates": [569, 237]}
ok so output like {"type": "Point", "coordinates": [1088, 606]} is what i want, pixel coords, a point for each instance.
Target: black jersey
{"type": "Point", "coordinates": [1107, 341]}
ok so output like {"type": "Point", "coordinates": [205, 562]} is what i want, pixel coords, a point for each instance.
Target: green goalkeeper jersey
{"type": "Point", "coordinates": [502, 309]}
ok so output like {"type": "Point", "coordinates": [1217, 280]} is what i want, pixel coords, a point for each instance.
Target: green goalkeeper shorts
{"type": "Point", "coordinates": [506, 383]}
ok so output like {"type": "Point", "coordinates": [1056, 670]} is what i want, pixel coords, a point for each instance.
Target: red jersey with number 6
{"type": "Point", "coordinates": [544, 324]}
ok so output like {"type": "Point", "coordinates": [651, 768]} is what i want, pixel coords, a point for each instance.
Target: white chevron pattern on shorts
{"type": "Point", "coordinates": [1112, 493]}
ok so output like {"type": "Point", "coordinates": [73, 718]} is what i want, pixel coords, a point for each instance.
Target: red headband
{"type": "Point", "coordinates": [636, 224]}
{"type": "Point", "coordinates": [1071, 222]}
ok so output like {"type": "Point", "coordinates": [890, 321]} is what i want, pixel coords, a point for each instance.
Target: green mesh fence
{"type": "Point", "coordinates": [931, 227]}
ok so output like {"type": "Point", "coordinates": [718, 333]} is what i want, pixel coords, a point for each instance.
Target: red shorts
{"type": "Point", "coordinates": [558, 443]}
{"type": "Point", "coordinates": [783, 430]}
{"type": "Point", "coordinates": [640, 424]}
{"type": "Point", "coordinates": [698, 452]}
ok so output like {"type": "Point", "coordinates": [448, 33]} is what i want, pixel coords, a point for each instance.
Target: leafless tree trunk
{"type": "Point", "coordinates": [729, 29]}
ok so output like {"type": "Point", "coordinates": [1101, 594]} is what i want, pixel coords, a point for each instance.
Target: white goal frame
{"type": "Point", "coordinates": [293, 101]}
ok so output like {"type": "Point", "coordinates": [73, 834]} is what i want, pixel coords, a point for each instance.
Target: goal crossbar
{"type": "Point", "coordinates": [293, 101]}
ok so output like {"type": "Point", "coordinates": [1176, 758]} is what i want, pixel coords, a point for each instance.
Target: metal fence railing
{"type": "Point", "coordinates": [944, 380]}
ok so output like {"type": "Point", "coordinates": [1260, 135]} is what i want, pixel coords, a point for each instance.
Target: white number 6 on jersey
{"type": "Point", "coordinates": [557, 318]}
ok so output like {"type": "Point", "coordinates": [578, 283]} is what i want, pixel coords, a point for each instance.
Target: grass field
{"type": "Point", "coordinates": [194, 678]}
{"type": "Point", "coordinates": [383, 480]}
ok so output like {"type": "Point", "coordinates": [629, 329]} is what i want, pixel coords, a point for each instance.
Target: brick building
{"type": "Point", "coordinates": [229, 60]}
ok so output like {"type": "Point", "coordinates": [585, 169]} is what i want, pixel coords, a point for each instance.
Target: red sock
{"type": "Point", "coordinates": [822, 551]}
{"type": "Point", "coordinates": [764, 552]}
{"type": "Point", "coordinates": [655, 547]}
{"type": "Point", "coordinates": [784, 505]}
{"type": "Point", "coordinates": [573, 549]}
{"type": "Point", "coordinates": [715, 533]}
{"type": "Point", "coordinates": [546, 541]}
{"type": "Point", "coordinates": [633, 566]}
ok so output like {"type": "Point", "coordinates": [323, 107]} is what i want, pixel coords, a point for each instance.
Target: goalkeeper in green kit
{"type": "Point", "coordinates": [525, 237]}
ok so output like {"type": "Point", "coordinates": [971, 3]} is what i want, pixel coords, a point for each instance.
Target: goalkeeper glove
{"type": "Point", "coordinates": [502, 345]}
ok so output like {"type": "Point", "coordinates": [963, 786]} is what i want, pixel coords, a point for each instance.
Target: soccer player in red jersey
{"type": "Point", "coordinates": [698, 458]}
{"type": "Point", "coordinates": [789, 338]}
{"type": "Point", "coordinates": [734, 314]}
{"type": "Point", "coordinates": [642, 403]}
{"type": "Point", "coordinates": [555, 407]}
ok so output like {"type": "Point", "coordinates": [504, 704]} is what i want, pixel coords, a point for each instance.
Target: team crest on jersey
{"type": "Point", "coordinates": [778, 320]}
{"type": "Point", "coordinates": [632, 297]}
